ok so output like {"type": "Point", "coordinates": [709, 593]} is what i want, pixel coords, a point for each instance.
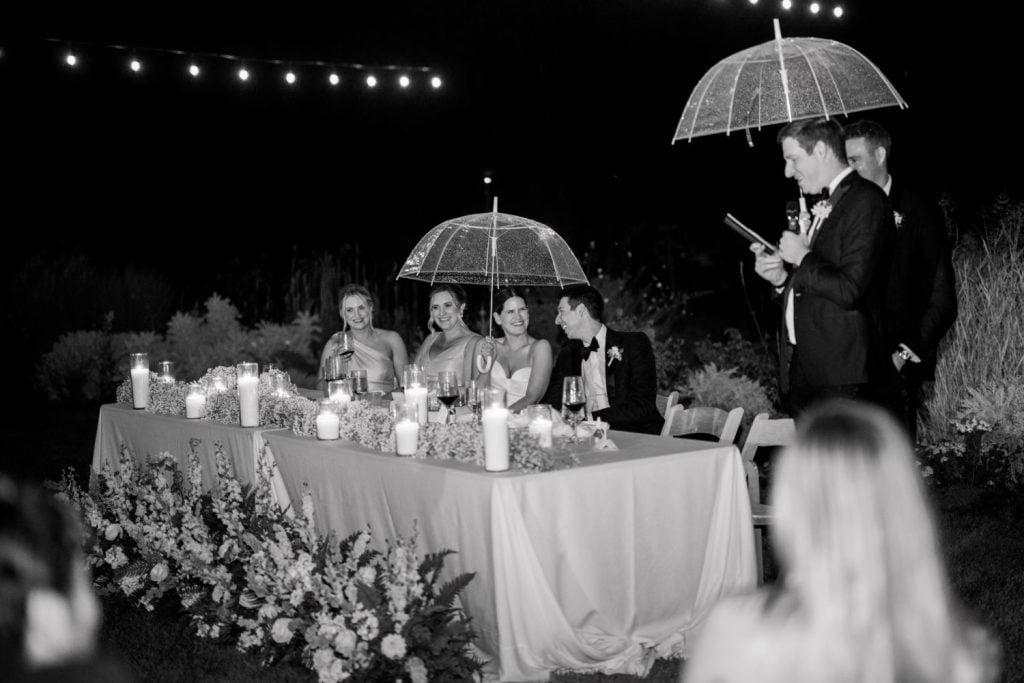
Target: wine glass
{"type": "Point", "coordinates": [359, 380]}
{"type": "Point", "coordinates": [574, 398]}
{"type": "Point", "coordinates": [447, 391]}
{"type": "Point", "coordinates": [345, 349]}
{"type": "Point", "coordinates": [473, 398]}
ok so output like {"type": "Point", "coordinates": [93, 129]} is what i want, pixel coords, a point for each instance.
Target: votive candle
{"type": "Point", "coordinates": [248, 394]}
{"type": "Point", "coordinates": [195, 403]}
{"type": "Point", "coordinates": [328, 425]}
{"type": "Point", "coordinates": [540, 427]}
{"type": "Point", "coordinates": [418, 394]}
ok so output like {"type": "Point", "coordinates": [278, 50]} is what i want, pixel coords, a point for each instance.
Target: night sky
{"type": "Point", "coordinates": [571, 105]}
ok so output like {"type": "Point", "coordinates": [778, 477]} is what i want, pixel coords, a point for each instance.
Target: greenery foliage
{"type": "Point", "coordinates": [723, 388]}
{"type": "Point", "coordinates": [749, 359]}
{"type": "Point", "coordinates": [87, 365]}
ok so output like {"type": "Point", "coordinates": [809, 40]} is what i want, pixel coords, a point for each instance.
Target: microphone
{"type": "Point", "coordinates": [793, 216]}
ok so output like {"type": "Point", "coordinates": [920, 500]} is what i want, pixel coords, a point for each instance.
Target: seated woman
{"type": "Point", "coordinates": [380, 352]}
{"type": "Point", "coordinates": [451, 346]}
{"type": "Point", "coordinates": [521, 364]}
{"type": "Point", "coordinates": [865, 598]}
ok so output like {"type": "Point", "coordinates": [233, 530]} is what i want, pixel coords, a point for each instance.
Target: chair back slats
{"type": "Point", "coordinates": [680, 421]}
{"type": "Point", "coordinates": [665, 402]}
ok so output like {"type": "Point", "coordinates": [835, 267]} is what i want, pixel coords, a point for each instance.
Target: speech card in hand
{"type": "Point", "coordinates": [747, 233]}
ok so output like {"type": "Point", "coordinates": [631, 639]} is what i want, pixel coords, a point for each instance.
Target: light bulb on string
{"type": "Point", "coordinates": [135, 65]}
{"type": "Point", "coordinates": [403, 81]}
{"type": "Point", "coordinates": [753, 2]}
{"type": "Point", "coordinates": [371, 81]}
{"type": "Point", "coordinates": [289, 78]}
{"type": "Point", "coordinates": [837, 12]}
{"type": "Point", "coordinates": [435, 82]}
{"type": "Point", "coordinates": [333, 79]}
{"type": "Point", "coordinates": [70, 59]}
{"type": "Point", "coordinates": [243, 74]}
{"type": "Point", "coordinates": [193, 70]}
{"type": "Point", "coordinates": [815, 8]}
{"type": "Point", "coordinates": [787, 4]}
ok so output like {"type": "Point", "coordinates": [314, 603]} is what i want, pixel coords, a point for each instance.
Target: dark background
{"type": "Point", "coordinates": [571, 105]}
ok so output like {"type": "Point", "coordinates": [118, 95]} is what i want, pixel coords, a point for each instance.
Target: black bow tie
{"type": "Point", "coordinates": [587, 350]}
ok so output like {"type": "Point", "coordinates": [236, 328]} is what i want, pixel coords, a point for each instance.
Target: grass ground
{"type": "Point", "coordinates": [981, 532]}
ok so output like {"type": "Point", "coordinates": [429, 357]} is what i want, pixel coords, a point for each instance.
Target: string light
{"type": "Point", "coordinates": [815, 8]}
{"type": "Point", "coordinates": [787, 5]}
{"type": "Point", "coordinates": [837, 12]}
{"type": "Point", "coordinates": [405, 76]}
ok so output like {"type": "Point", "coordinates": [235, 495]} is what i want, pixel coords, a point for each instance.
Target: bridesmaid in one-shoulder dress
{"type": "Point", "coordinates": [451, 346]}
{"type": "Point", "coordinates": [381, 353]}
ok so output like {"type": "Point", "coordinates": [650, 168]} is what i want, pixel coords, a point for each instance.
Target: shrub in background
{"type": "Point", "coordinates": [749, 359]}
{"type": "Point", "coordinates": [88, 365]}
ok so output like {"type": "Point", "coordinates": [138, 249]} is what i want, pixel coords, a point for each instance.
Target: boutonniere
{"type": "Point", "coordinates": [821, 210]}
{"type": "Point", "coordinates": [898, 217]}
{"type": "Point", "coordinates": [614, 354]}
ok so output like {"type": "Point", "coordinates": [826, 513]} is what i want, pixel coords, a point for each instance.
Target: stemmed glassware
{"type": "Point", "coordinates": [447, 391]}
{"type": "Point", "coordinates": [473, 398]}
{"type": "Point", "coordinates": [574, 398]}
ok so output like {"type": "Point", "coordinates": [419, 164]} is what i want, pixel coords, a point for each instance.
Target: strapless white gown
{"type": "Point", "coordinates": [514, 386]}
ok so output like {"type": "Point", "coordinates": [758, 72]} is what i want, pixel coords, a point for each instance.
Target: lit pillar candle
{"type": "Point", "coordinates": [328, 424]}
{"type": "Point", "coordinates": [248, 394]}
{"type": "Point", "coordinates": [540, 427]}
{"type": "Point", "coordinates": [195, 402]}
{"type": "Point", "coordinates": [140, 379]}
{"type": "Point", "coordinates": [407, 428]}
{"type": "Point", "coordinates": [417, 394]}
{"type": "Point", "coordinates": [495, 425]}
{"type": "Point", "coordinates": [340, 390]}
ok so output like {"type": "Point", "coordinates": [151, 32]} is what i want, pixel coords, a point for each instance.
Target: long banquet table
{"type": "Point", "coordinates": [602, 567]}
{"type": "Point", "coordinates": [147, 434]}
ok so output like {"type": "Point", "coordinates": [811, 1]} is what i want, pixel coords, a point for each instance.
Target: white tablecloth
{"type": "Point", "coordinates": [602, 567]}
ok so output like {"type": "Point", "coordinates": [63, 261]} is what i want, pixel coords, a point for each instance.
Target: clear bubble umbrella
{"type": "Point", "coordinates": [494, 249]}
{"type": "Point", "coordinates": [783, 80]}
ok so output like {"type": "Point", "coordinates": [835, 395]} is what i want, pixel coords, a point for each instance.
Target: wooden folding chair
{"type": "Point", "coordinates": [680, 421]}
{"type": "Point", "coordinates": [665, 403]}
{"type": "Point", "coordinates": [763, 432]}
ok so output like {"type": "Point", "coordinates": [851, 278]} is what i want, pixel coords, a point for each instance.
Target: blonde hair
{"type": "Point", "coordinates": [858, 543]}
{"type": "Point", "coordinates": [354, 290]}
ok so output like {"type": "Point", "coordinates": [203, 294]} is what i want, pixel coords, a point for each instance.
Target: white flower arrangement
{"type": "Point", "coordinates": [247, 573]}
{"type": "Point", "coordinates": [614, 354]}
{"type": "Point", "coordinates": [898, 218]}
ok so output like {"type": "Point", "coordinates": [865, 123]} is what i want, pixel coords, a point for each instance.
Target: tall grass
{"type": "Point", "coordinates": [987, 341]}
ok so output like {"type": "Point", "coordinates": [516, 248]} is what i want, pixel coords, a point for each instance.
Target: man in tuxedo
{"type": "Point", "coordinates": [920, 302]}
{"type": "Point", "coordinates": [830, 278]}
{"type": "Point", "coordinates": [618, 368]}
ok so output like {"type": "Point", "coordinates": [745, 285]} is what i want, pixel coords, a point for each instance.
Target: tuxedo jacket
{"type": "Point", "coordinates": [839, 290]}
{"type": "Point", "coordinates": [632, 381]}
{"type": "Point", "coordinates": [920, 304]}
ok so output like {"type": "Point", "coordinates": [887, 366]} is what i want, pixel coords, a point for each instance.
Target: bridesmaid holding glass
{"type": "Point", "coordinates": [359, 345]}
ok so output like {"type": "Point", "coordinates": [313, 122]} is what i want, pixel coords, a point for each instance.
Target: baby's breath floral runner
{"type": "Point", "coordinates": [248, 574]}
{"type": "Point", "coordinates": [361, 421]}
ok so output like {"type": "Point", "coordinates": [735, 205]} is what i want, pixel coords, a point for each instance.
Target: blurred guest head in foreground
{"type": "Point", "coordinates": [865, 598]}
{"type": "Point", "coordinates": [49, 615]}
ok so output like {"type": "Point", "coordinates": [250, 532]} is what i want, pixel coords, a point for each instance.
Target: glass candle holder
{"type": "Point", "coordinates": [414, 376]}
{"type": "Point", "coordinates": [140, 379]}
{"type": "Point", "coordinates": [339, 391]}
{"type": "Point", "coordinates": [433, 404]}
{"type": "Point", "coordinates": [540, 423]}
{"type": "Point", "coordinates": [407, 428]}
{"type": "Point", "coordinates": [494, 418]}
{"type": "Point", "coordinates": [248, 393]}
{"type": "Point", "coordinates": [165, 371]}
{"type": "Point", "coordinates": [328, 422]}
{"type": "Point", "coordinates": [414, 380]}
{"type": "Point", "coordinates": [359, 381]}
{"type": "Point", "coordinates": [195, 401]}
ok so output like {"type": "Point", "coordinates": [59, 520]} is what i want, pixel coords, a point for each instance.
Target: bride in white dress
{"type": "Point", "coordinates": [521, 365]}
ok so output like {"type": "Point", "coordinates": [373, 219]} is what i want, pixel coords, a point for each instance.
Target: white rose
{"type": "Point", "coordinates": [112, 532]}
{"type": "Point", "coordinates": [159, 572]}
{"type": "Point", "coordinates": [345, 642]}
{"type": "Point", "coordinates": [367, 574]}
{"type": "Point", "coordinates": [393, 646]}
{"type": "Point", "coordinates": [417, 670]}
{"type": "Point", "coordinates": [281, 631]}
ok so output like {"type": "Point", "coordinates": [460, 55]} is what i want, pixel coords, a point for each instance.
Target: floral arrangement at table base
{"type": "Point", "coordinates": [248, 573]}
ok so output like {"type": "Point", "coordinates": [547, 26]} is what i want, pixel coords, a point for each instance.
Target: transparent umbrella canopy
{"type": "Point", "coordinates": [783, 80]}
{"type": "Point", "coordinates": [494, 249]}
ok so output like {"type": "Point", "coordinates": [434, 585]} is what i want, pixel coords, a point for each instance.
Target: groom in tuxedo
{"type": "Point", "coordinates": [617, 367]}
{"type": "Point", "coordinates": [831, 277]}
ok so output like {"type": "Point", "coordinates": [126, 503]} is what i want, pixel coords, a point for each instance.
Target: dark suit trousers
{"type": "Point", "coordinates": [802, 395]}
